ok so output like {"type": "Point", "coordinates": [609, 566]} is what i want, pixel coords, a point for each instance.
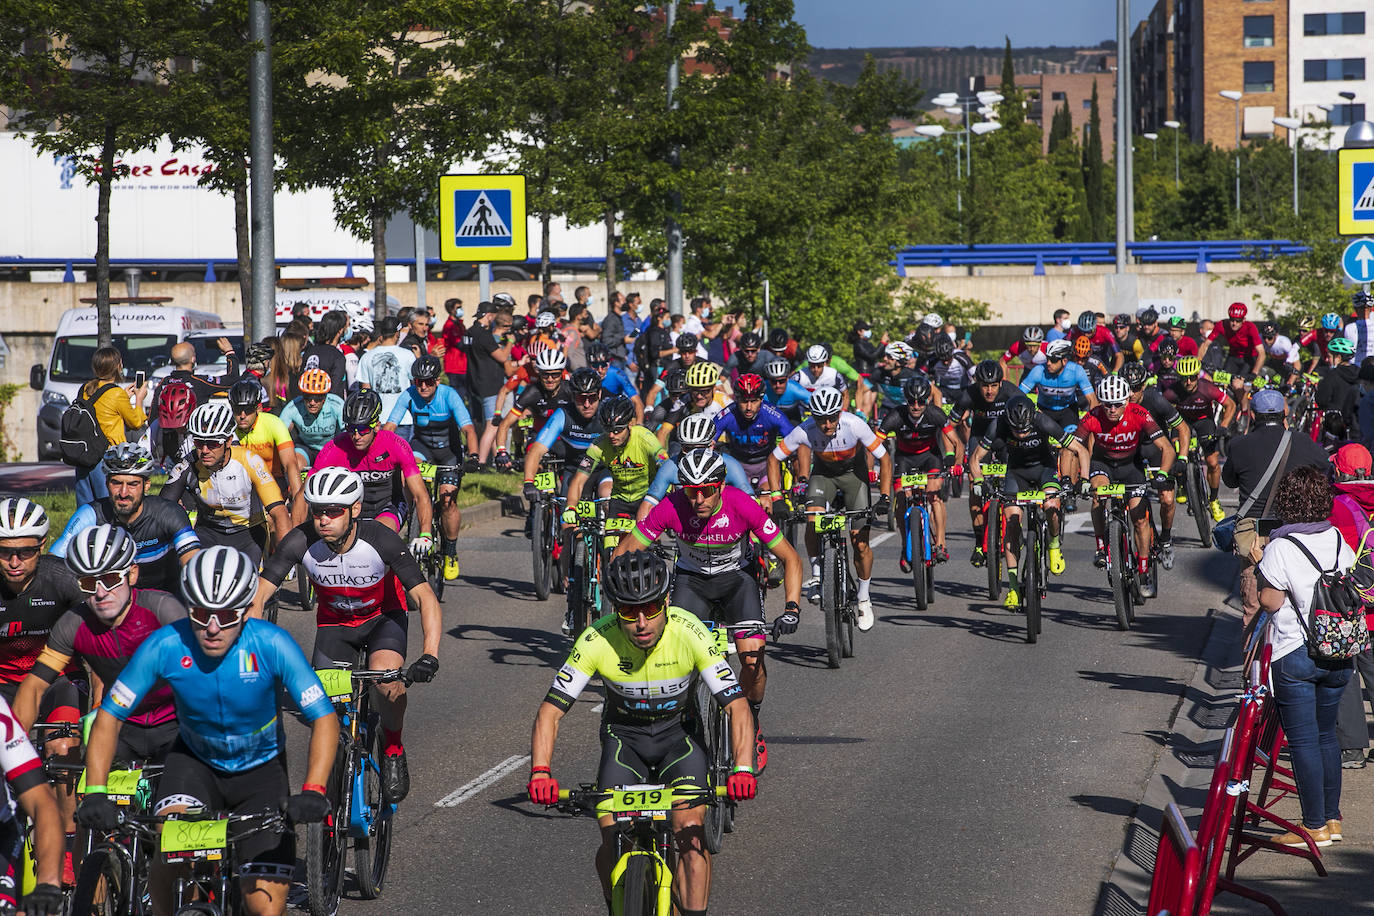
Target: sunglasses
{"type": "Point", "coordinates": [616, 430]}
{"type": "Point", "coordinates": [244, 411]}
{"type": "Point", "coordinates": [587, 398]}
{"type": "Point", "coordinates": [23, 553]}
{"type": "Point", "coordinates": [209, 443]}
{"type": "Point", "coordinates": [551, 376]}
{"type": "Point", "coordinates": [109, 581]}
{"type": "Point", "coordinates": [702, 489]}
{"type": "Point", "coordinates": [426, 383]}
{"type": "Point", "coordinates": [313, 397]}
{"type": "Point", "coordinates": [630, 613]}
{"type": "Point", "coordinates": [203, 617]}
{"type": "Point", "coordinates": [327, 511]}
{"type": "Point", "coordinates": [359, 429]}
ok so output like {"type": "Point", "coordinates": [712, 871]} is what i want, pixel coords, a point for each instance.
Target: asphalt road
{"type": "Point", "coordinates": [948, 768]}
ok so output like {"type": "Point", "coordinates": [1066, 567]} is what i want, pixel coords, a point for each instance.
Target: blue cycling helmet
{"type": "Point", "coordinates": [1331, 322]}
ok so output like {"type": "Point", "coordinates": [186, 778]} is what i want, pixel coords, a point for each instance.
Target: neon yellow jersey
{"type": "Point", "coordinates": [267, 435]}
{"type": "Point", "coordinates": [632, 465]}
{"type": "Point", "coordinates": [645, 686]}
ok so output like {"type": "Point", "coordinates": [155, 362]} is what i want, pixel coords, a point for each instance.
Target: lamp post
{"type": "Point", "coordinates": [1174, 126]}
{"type": "Point", "coordinates": [1235, 96]}
{"type": "Point", "coordinates": [1292, 125]}
{"type": "Point", "coordinates": [1154, 147]}
{"type": "Point", "coordinates": [954, 104]}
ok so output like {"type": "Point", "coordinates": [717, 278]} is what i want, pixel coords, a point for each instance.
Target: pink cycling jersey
{"type": "Point", "coordinates": [383, 467]}
{"type": "Point", "coordinates": [714, 545]}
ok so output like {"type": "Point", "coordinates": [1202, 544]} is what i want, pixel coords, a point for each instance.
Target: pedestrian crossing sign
{"type": "Point", "coordinates": [1356, 192]}
{"type": "Point", "coordinates": [482, 218]}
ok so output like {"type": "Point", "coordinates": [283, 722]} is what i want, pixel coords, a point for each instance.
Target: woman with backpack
{"type": "Point", "coordinates": [1307, 689]}
{"type": "Point", "coordinates": [114, 413]}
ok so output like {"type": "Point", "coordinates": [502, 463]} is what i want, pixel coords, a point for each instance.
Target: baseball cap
{"type": "Point", "coordinates": [1353, 459]}
{"type": "Point", "coordinates": [1268, 401]}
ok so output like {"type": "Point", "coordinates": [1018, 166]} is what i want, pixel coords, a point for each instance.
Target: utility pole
{"type": "Point", "coordinates": [263, 250]}
{"type": "Point", "coordinates": [672, 287]}
{"type": "Point", "coordinates": [1123, 132]}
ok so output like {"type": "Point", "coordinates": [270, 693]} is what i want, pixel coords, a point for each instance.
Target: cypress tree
{"type": "Point", "coordinates": [1094, 177]}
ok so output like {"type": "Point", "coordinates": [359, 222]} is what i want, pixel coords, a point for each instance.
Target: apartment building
{"type": "Point", "coordinates": [1231, 46]}
{"type": "Point", "coordinates": [1152, 69]}
{"type": "Point", "coordinates": [1329, 51]}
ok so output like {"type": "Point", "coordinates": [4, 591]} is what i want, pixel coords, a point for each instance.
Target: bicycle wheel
{"type": "Point", "coordinates": [326, 844]}
{"type": "Point", "coordinates": [848, 611]}
{"type": "Point", "coordinates": [1030, 581]}
{"type": "Point", "coordinates": [434, 566]}
{"type": "Point", "coordinates": [994, 550]}
{"type": "Point", "coordinates": [577, 588]}
{"type": "Point", "coordinates": [639, 887]}
{"type": "Point", "coordinates": [540, 550]}
{"type": "Point", "coordinates": [102, 886]}
{"type": "Point", "coordinates": [915, 532]}
{"type": "Point", "coordinates": [1118, 571]}
{"type": "Point", "coordinates": [305, 589]}
{"type": "Point", "coordinates": [830, 602]}
{"type": "Point", "coordinates": [717, 759]}
{"type": "Point", "coordinates": [1194, 482]}
{"type": "Point", "coordinates": [269, 610]}
{"type": "Point", "coordinates": [371, 854]}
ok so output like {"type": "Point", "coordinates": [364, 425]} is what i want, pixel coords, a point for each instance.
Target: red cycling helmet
{"type": "Point", "coordinates": [1237, 310]}
{"type": "Point", "coordinates": [175, 401]}
{"type": "Point", "coordinates": [749, 386]}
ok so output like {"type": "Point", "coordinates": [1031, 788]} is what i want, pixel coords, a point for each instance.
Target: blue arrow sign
{"type": "Point", "coordinates": [1358, 260]}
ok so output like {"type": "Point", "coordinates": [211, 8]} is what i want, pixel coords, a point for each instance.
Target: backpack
{"type": "Point", "coordinates": [1335, 626]}
{"type": "Point", "coordinates": [81, 441]}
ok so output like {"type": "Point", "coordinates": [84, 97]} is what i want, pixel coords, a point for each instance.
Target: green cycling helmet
{"type": "Point", "coordinates": [1342, 345]}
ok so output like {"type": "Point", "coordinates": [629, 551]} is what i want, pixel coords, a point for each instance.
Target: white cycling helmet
{"type": "Point", "coordinates": [20, 518]}
{"type": "Point", "coordinates": [700, 465]}
{"type": "Point", "coordinates": [101, 549]}
{"type": "Point", "coordinates": [546, 320]}
{"type": "Point", "coordinates": [933, 320]}
{"type": "Point", "coordinates": [696, 431]}
{"type": "Point", "coordinates": [128, 458]}
{"type": "Point", "coordinates": [826, 402]}
{"type": "Point", "coordinates": [1114, 390]}
{"type": "Point", "coordinates": [333, 486]}
{"type": "Point", "coordinates": [212, 420]}
{"type": "Point", "coordinates": [817, 353]}
{"type": "Point", "coordinates": [1058, 349]}
{"type": "Point", "coordinates": [550, 359]}
{"type": "Point", "coordinates": [900, 351]}
{"type": "Point", "coordinates": [219, 579]}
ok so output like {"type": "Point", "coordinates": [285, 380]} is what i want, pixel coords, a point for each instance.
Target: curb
{"type": "Point", "coordinates": [493, 509]}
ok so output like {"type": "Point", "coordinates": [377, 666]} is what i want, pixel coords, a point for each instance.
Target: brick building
{"type": "Point", "coordinates": [1152, 69]}
{"type": "Point", "coordinates": [1232, 46]}
{"type": "Point", "coordinates": [1046, 93]}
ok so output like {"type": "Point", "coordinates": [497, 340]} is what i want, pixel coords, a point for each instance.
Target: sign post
{"type": "Point", "coordinates": [483, 218]}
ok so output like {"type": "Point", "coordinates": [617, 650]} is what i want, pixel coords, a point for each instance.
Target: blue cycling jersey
{"type": "Point", "coordinates": [314, 432]}
{"type": "Point", "coordinates": [750, 442]}
{"type": "Point", "coordinates": [793, 395]}
{"type": "Point", "coordinates": [226, 707]}
{"type": "Point", "coordinates": [667, 477]}
{"type": "Point", "coordinates": [617, 382]}
{"type": "Point", "coordinates": [438, 420]}
{"type": "Point", "coordinates": [1058, 392]}
{"type": "Point", "coordinates": [577, 434]}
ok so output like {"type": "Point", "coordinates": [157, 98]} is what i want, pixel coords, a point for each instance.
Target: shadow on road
{"type": "Point", "coordinates": [1141, 683]}
{"type": "Point", "coordinates": [519, 645]}
{"type": "Point", "coordinates": [988, 629]}
{"type": "Point", "coordinates": [791, 653]}
{"type": "Point", "coordinates": [506, 588]}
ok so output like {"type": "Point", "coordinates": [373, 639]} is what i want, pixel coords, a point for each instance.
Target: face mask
{"type": "Point", "coordinates": [457, 313]}
{"type": "Point", "coordinates": [1065, 324]}
{"type": "Point", "coordinates": [591, 300]}
{"type": "Point", "coordinates": [865, 334]}
{"type": "Point", "coordinates": [705, 313]}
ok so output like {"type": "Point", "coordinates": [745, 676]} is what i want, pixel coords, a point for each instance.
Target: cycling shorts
{"type": "Point", "coordinates": [146, 743]}
{"type": "Point", "coordinates": [1206, 432]}
{"type": "Point", "coordinates": [450, 464]}
{"type": "Point", "coordinates": [252, 541]}
{"type": "Point", "coordinates": [188, 780]}
{"type": "Point", "coordinates": [1066, 417]}
{"type": "Point", "coordinates": [645, 754]}
{"type": "Point", "coordinates": [821, 492]}
{"type": "Point", "coordinates": [12, 861]}
{"type": "Point", "coordinates": [1129, 471]}
{"type": "Point", "coordinates": [917, 463]}
{"type": "Point", "coordinates": [340, 645]}
{"type": "Point", "coordinates": [728, 598]}
{"type": "Point", "coordinates": [757, 473]}
{"type": "Point", "coordinates": [397, 512]}
{"type": "Point", "coordinates": [1237, 365]}
{"type": "Point", "coordinates": [63, 700]}
{"type": "Point", "coordinates": [1030, 477]}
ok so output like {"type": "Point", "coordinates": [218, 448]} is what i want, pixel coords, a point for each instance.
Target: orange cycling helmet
{"type": "Point", "coordinates": [315, 381]}
{"type": "Point", "coordinates": [1082, 346]}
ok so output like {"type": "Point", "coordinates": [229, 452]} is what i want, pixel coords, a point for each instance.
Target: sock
{"type": "Point", "coordinates": [1166, 534]}
{"type": "Point", "coordinates": [754, 709]}
{"type": "Point", "coordinates": [1143, 564]}
{"type": "Point", "coordinates": [451, 548]}
{"type": "Point", "coordinates": [863, 588]}
{"type": "Point", "coordinates": [1054, 543]}
{"type": "Point", "coordinates": [1100, 544]}
{"type": "Point", "coordinates": [1211, 491]}
{"type": "Point", "coordinates": [391, 743]}
{"type": "Point", "coordinates": [1013, 578]}
{"type": "Point", "coordinates": [815, 567]}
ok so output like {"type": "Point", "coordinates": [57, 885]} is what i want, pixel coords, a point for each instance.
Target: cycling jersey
{"type": "Point", "coordinates": [645, 686]}
{"type": "Point", "coordinates": [1096, 369]}
{"type": "Point", "coordinates": [567, 435]}
{"type": "Point", "coordinates": [29, 616]}
{"type": "Point", "coordinates": [828, 377]}
{"type": "Point", "coordinates": [19, 761]}
{"type": "Point", "coordinates": [916, 435]}
{"type": "Point", "coordinates": [439, 420]}
{"type": "Point", "coordinates": [1361, 333]}
{"type": "Point", "coordinates": [1120, 440]}
{"type": "Point", "coordinates": [1195, 405]}
{"type": "Point", "coordinates": [710, 545]}
{"type": "Point", "coordinates": [1037, 448]}
{"type": "Point", "coordinates": [667, 410]}
{"type": "Point", "coordinates": [1283, 350]}
{"type": "Point", "coordinates": [80, 636]}
{"type": "Point", "coordinates": [541, 404]}
{"type": "Point", "coordinates": [890, 383]}
{"type": "Point", "coordinates": [351, 587]}
{"type": "Point", "coordinates": [161, 531]}
{"type": "Point", "coordinates": [617, 382]}
{"type": "Point", "coordinates": [1103, 343]}
{"type": "Point", "coordinates": [232, 499]}
{"type": "Point", "coordinates": [384, 466]}
{"type": "Point", "coordinates": [841, 453]}
{"type": "Point", "coordinates": [1026, 356]}
{"type": "Point", "coordinates": [268, 434]}
{"type": "Point", "coordinates": [1133, 347]}
{"type": "Point", "coordinates": [631, 465]}
{"type": "Point", "coordinates": [314, 432]}
{"type": "Point", "coordinates": [735, 476]}
{"type": "Point", "coordinates": [791, 402]}
{"type": "Point", "coordinates": [1243, 343]}
{"type": "Point", "coordinates": [227, 706]}
{"type": "Point", "coordinates": [1165, 415]}
{"type": "Point", "coordinates": [951, 375]}
{"type": "Point", "coordinates": [750, 441]}
{"type": "Point", "coordinates": [1060, 391]}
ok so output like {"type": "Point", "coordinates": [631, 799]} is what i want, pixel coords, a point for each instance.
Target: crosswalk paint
{"type": "Point", "coordinates": [489, 778]}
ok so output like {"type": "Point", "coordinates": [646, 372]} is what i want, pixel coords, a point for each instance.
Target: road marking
{"type": "Point", "coordinates": [598, 707]}
{"type": "Point", "coordinates": [490, 777]}
{"type": "Point", "coordinates": [1076, 523]}
{"type": "Point", "coordinates": [880, 538]}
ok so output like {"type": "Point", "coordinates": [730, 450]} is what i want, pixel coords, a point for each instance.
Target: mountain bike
{"type": "Point", "coordinates": [116, 865]}
{"type": "Point", "coordinates": [545, 546]}
{"type": "Point", "coordinates": [594, 537]}
{"type": "Point", "coordinates": [839, 591]}
{"type": "Point", "coordinates": [1034, 566]}
{"type": "Point", "coordinates": [917, 547]}
{"type": "Point", "coordinates": [359, 816]}
{"type": "Point", "coordinates": [433, 562]}
{"type": "Point", "coordinates": [715, 739]}
{"type": "Point", "coordinates": [1195, 490]}
{"type": "Point", "coordinates": [646, 850]}
{"type": "Point", "coordinates": [1121, 553]}
{"type": "Point", "coordinates": [994, 533]}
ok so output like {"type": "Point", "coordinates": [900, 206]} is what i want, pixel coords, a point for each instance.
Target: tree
{"type": "Point", "coordinates": [1094, 183]}
{"type": "Point", "coordinates": [1061, 129]}
{"type": "Point", "coordinates": [1008, 70]}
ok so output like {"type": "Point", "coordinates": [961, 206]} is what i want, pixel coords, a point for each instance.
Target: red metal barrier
{"type": "Point", "coordinates": [1178, 864]}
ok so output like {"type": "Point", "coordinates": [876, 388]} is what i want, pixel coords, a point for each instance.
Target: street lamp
{"type": "Point", "coordinates": [1235, 96]}
{"type": "Point", "coordinates": [1174, 126]}
{"type": "Point", "coordinates": [1292, 125]}
{"type": "Point", "coordinates": [1154, 147]}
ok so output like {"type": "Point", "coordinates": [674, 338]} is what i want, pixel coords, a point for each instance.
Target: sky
{"type": "Point", "coordinates": [984, 23]}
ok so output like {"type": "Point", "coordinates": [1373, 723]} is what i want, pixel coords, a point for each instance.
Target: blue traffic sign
{"type": "Point", "coordinates": [1358, 260]}
{"type": "Point", "coordinates": [482, 218]}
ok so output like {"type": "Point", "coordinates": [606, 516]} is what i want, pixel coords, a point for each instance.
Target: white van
{"type": "Point", "coordinates": [144, 334]}
{"type": "Point", "coordinates": [323, 299]}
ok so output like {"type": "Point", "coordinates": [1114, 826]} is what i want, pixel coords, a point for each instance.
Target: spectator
{"type": "Point", "coordinates": [654, 346]}
{"type": "Point", "coordinates": [419, 339]}
{"type": "Point", "coordinates": [1062, 327]}
{"type": "Point", "coordinates": [184, 364]}
{"type": "Point", "coordinates": [488, 357]}
{"type": "Point", "coordinates": [385, 368]}
{"type": "Point", "coordinates": [284, 372]}
{"type": "Point", "coordinates": [1361, 330]}
{"type": "Point", "coordinates": [1248, 461]}
{"type": "Point", "coordinates": [1351, 505]}
{"type": "Point", "coordinates": [114, 412]}
{"type": "Point", "coordinates": [698, 312]}
{"type": "Point", "coordinates": [455, 357]}
{"type": "Point", "coordinates": [582, 296]}
{"type": "Point", "coordinates": [325, 354]}
{"type": "Point", "coordinates": [586, 331]}
{"type": "Point", "coordinates": [618, 334]}
{"type": "Point", "coordinates": [301, 312]}
{"type": "Point", "coordinates": [866, 353]}
{"type": "Point", "coordinates": [1307, 691]}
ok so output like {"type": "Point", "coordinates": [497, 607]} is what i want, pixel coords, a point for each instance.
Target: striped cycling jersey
{"type": "Point", "coordinates": [838, 454]}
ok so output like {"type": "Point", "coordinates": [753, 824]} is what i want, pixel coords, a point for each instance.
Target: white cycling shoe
{"type": "Point", "coordinates": [865, 608]}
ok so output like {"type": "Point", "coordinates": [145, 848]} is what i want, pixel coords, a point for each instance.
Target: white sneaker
{"type": "Point", "coordinates": [811, 588]}
{"type": "Point", "coordinates": [865, 607]}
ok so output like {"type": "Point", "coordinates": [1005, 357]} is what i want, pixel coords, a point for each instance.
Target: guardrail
{"type": "Point", "coordinates": [69, 265]}
{"type": "Point", "coordinates": [1199, 253]}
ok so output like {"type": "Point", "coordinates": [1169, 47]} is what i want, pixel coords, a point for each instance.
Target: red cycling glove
{"type": "Point", "coordinates": [543, 791]}
{"type": "Point", "coordinates": [741, 786]}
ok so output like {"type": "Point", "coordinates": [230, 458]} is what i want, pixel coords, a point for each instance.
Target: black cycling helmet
{"type": "Point", "coordinates": [686, 341]}
{"type": "Point", "coordinates": [750, 340]}
{"type": "Point", "coordinates": [584, 381]}
{"type": "Point", "coordinates": [246, 392]}
{"type": "Point", "coordinates": [616, 412]}
{"type": "Point", "coordinates": [1149, 316]}
{"type": "Point", "coordinates": [427, 368]}
{"type": "Point", "coordinates": [1087, 322]}
{"type": "Point", "coordinates": [916, 390]}
{"type": "Point", "coordinates": [943, 348]}
{"type": "Point", "coordinates": [1020, 413]}
{"type": "Point", "coordinates": [363, 408]}
{"type": "Point", "coordinates": [676, 381]}
{"type": "Point", "coordinates": [1121, 321]}
{"type": "Point", "coordinates": [1168, 348]}
{"type": "Point", "coordinates": [637, 577]}
{"type": "Point", "coordinates": [1267, 329]}
{"type": "Point", "coordinates": [777, 339]}
{"type": "Point", "coordinates": [1135, 375]}
{"type": "Point", "coordinates": [988, 372]}
{"type": "Point", "coordinates": [597, 354]}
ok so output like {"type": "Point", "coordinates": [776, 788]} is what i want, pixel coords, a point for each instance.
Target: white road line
{"type": "Point", "coordinates": [490, 777]}
{"type": "Point", "coordinates": [598, 707]}
{"type": "Point", "coordinates": [880, 538]}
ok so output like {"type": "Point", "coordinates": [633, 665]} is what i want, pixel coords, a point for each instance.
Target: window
{"type": "Point", "coordinates": [1259, 31]}
{"type": "Point", "coordinates": [1087, 104]}
{"type": "Point", "coordinates": [1335, 69]}
{"type": "Point", "coordinates": [1259, 76]}
{"type": "Point", "coordinates": [1333, 24]}
{"type": "Point", "coordinates": [1059, 97]}
{"type": "Point", "coordinates": [1345, 115]}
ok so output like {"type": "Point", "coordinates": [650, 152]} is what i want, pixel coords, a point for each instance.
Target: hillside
{"type": "Point", "coordinates": [949, 69]}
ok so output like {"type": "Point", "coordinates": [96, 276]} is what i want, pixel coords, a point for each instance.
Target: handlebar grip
{"type": "Point", "coordinates": [722, 791]}
{"type": "Point", "coordinates": [564, 794]}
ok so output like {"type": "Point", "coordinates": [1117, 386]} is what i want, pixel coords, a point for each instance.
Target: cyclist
{"type": "Point", "coordinates": [160, 528]}
{"type": "Point", "coordinates": [1285, 355]}
{"type": "Point", "coordinates": [1167, 418]}
{"type": "Point", "coordinates": [630, 454]}
{"type": "Point", "coordinates": [1150, 334]}
{"type": "Point", "coordinates": [1339, 388]}
{"type": "Point", "coordinates": [1028, 351]}
{"type": "Point", "coordinates": [783, 393]}
{"type": "Point", "coordinates": [103, 633]}
{"type": "Point", "coordinates": [387, 466]}
{"type": "Point", "coordinates": [615, 382]}
{"type": "Point", "coordinates": [713, 524]}
{"type": "Point", "coordinates": [746, 360]}
{"type": "Point", "coordinates": [644, 735]}
{"type": "Point", "coordinates": [26, 789]}
{"type": "Point", "coordinates": [818, 373]}
{"type": "Point", "coordinates": [362, 576]}
{"type": "Point", "coordinates": [263, 434]}
{"type": "Point", "coordinates": [898, 364]}
{"type": "Point", "coordinates": [1101, 340]}
{"type": "Point", "coordinates": [749, 429]}
{"type": "Point", "coordinates": [1037, 452]}
{"type": "Point", "coordinates": [976, 411]}
{"type": "Point", "coordinates": [537, 401]}
{"type": "Point", "coordinates": [1114, 433]}
{"type": "Point", "coordinates": [1319, 337]}
{"type": "Point", "coordinates": [1057, 385]}
{"type": "Point", "coordinates": [1197, 401]}
{"type": "Point", "coordinates": [921, 434]}
{"type": "Point", "coordinates": [442, 425]}
{"type": "Point", "coordinates": [1245, 348]}
{"type": "Point", "coordinates": [951, 370]}
{"type": "Point", "coordinates": [570, 430]}
{"type": "Point", "coordinates": [314, 416]}
{"type": "Point", "coordinates": [696, 431]}
{"type": "Point", "coordinates": [228, 755]}
{"type": "Point", "coordinates": [1083, 355]}
{"type": "Point", "coordinates": [686, 358]}
{"type": "Point", "coordinates": [1128, 343]}
{"type": "Point", "coordinates": [839, 445]}
{"type": "Point", "coordinates": [1178, 330]}
{"type": "Point", "coordinates": [703, 391]}
{"type": "Point", "coordinates": [229, 487]}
